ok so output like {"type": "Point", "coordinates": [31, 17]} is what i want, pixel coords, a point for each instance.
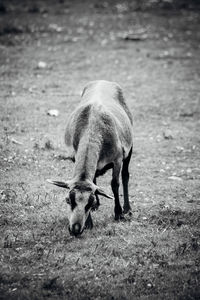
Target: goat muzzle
{"type": "Point", "coordinates": [76, 229]}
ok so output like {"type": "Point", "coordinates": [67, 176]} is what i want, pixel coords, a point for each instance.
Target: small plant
{"type": "Point", "coordinates": [48, 145]}
{"type": "Point", "coordinates": [8, 195]}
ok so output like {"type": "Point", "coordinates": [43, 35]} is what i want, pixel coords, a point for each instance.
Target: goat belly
{"type": "Point", "coordinates": [102, 168]}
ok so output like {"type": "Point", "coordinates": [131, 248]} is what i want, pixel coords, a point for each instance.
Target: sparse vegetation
{"type": "Point", "coordinates": [155, 254]}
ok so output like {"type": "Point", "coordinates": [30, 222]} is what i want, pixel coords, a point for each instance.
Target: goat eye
{"type": "Point", "coordinates": [87, 207]}
{"type": "Point", "coordinates": [90, 203]}
{"type": "Point", "coordinates": [67, 200]}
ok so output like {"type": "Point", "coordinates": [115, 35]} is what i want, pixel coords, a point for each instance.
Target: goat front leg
{"type": "Point", "coordinates": [115, 189]}
{"type": "Point", "coordinates": [125, 180]}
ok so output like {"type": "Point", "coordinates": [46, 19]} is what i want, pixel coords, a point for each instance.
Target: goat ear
{"type": "Point", "coordinates": [101, 192]}
{"type": "Point", "coordinates": [59, 183]}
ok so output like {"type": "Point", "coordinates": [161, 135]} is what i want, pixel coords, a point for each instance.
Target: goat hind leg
{"type": "Point", "coordinates": [115, 189]}
{"type": "Point", "coordinates": [125, 180]}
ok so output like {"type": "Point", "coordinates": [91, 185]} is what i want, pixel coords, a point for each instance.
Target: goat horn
{"type": "Point", "coordinates": [59, 183]}
{"type": "Point", "coordinates": [101, 192]}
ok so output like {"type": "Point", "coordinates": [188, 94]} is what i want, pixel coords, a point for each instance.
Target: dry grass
{"type": "Point", "coordinates": [153, 255]}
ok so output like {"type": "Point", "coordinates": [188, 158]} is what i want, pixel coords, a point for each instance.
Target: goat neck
{"type": "Point", "coordinates": [87, 158]}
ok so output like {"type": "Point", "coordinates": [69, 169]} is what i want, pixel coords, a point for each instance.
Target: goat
{"type": "Point", "coordinates": [98, 137]}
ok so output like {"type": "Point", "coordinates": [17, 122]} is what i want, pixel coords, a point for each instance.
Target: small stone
{"type": "Point", "coordinates": [179, 148]}
{"type": "Point", "coordinates": [175, 178]}
{"type": "Point", "coordinates": [189, 54]}
{"type": "Point", "coordinates": [53, 112]}
{"type": "Point", "coordinates": [55, 27]}
{"type": "Point", "coordinates": [42, 65]}
{"type": "Point", "coordinates": [168, 134]}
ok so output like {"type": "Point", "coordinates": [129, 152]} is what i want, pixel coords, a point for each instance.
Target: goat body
{"type": "Point", "coordinates": [99, 137]}
{"type": "Point", "coordinates": [99, 131]}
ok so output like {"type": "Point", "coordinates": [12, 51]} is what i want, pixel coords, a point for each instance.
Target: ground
{"type": "Point", "coordinates": [49, 51]}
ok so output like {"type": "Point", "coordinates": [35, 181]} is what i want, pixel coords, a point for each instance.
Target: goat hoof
{"type": "Point", "coordinates": [127, 212]}
{"type": "Point", "coordinates": [119, 217]}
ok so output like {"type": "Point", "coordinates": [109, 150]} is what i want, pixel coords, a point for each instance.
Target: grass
{"type": "Point", "coordinates": [142, 256]}
{"type": "Point", "coordinates": [154, 254]}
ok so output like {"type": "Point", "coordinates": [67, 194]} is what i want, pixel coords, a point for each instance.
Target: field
{"type": "Point", "coordinates": [49, 51]}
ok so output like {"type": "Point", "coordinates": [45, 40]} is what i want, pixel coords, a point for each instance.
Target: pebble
{"type": "Point", "coordinates": [41, 65]}
{"type": "Point", "coordinates": [168, 134]}
{"type": "Point", "coordinates": [175, 178]}
{"type": "Point", "coordinates": [53, 112]}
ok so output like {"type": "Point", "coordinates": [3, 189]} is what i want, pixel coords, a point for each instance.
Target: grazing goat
{"type": "Point", "coordinates": [98, 137]}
